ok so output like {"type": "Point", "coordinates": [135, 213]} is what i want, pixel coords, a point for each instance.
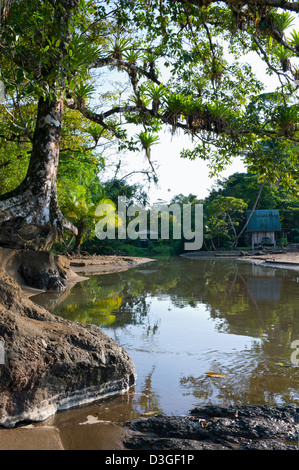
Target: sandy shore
{"type": "Point", "coordinates": [99, 264]}
{"type": "Point", "coordinates": [79, 267]}
{"type": "Point", "coordinates": [288, 260]}
{"type": "Point", "coordinates": [82, 266]}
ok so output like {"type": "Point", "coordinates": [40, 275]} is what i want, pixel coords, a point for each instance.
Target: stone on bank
{"type": "Point", "coordinates": [51, 363]}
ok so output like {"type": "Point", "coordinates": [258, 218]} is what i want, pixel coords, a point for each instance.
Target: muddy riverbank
{"type": "Point", "coordinates": [288, 260]}
{"type": "Point", "coordinates": [277, 259]}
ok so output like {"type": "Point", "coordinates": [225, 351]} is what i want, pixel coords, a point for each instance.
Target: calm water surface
{"type": "Point", "coordinates": [181, 318]}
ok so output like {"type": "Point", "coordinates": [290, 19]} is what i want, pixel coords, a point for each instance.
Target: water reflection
{"type": "Point", "coordinates": [180, 318]}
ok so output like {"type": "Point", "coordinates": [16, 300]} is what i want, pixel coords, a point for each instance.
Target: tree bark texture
{"type": "Point", "coordinates": [29, 215]}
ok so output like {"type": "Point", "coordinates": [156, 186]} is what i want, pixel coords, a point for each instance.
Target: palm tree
{"type": "Point", "coordinates": [83, 216]}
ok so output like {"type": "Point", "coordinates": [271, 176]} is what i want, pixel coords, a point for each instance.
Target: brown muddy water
{"type": "Point", "coordinates": [200, 331]}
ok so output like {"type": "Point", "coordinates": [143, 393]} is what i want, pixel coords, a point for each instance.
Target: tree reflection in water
{"type": "Point", "coordinates": [180, 318]}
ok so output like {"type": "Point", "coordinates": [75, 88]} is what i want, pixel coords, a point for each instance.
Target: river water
{"type": "Point", "coordinates": [200, 331]}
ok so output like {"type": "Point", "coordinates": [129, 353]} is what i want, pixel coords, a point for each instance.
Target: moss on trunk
{"type": "Point", "coordinates": [29, 215]}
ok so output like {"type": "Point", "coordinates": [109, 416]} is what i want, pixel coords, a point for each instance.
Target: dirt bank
{"type": "Point", "coordinates": [95, 264]}
{"type": "Point", "coordinates": [37, 272]}
{"type": "Point", "coordinates": [278, 259]}
{"type": "Point", "coordinates": [288, 260]}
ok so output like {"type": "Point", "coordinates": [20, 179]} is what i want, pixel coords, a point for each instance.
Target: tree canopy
{"type": "Point", "coordinates": [184, 63]}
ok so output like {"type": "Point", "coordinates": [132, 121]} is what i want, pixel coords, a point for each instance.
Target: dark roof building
{"type": "Point", "coordinates": [264, 221]}
{"type": "Point", "coordinates": [263, 226]}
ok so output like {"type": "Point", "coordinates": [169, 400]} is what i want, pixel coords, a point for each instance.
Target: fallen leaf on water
{"type": "Point", "coordinates": [215, 374]}
{"type": "Point", "coordinates": [148, 413]}
{"type": "Point", "coordinates": [203, 423]}
{"type": "Point", "coordinates": [281, 364]}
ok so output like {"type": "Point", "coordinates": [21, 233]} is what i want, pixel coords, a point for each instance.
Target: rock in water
{"type": "Point", "coordinates": [52, 364]}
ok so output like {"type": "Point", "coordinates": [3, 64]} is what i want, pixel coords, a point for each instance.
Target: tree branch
{"type": "Point", "coordinates": [266, 58]}
{"type": "Point", "coordinates": [257, 3]}
{"type": "Point", "coordinates": [126, 66]}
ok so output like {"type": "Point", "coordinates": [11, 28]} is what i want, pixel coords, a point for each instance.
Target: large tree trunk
{"type": "Point", "coordinates": [29, 215]}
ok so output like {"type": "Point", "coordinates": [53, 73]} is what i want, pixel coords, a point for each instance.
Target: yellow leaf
{"type": "Point", "coordinates": [214, 374]}
{"type": "Point", "coordinates": [149, 413]}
